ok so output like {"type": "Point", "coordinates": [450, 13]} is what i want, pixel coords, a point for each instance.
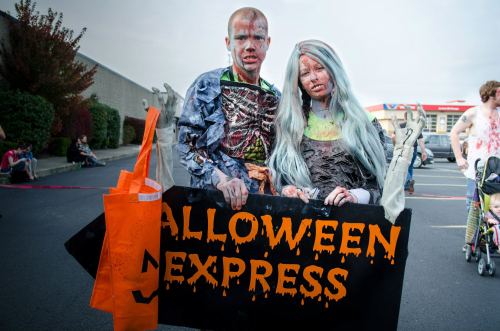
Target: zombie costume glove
{"type": "Point", "coordinates": [393, 198]}
{"type": "Point", "coordinates": [165, 136]}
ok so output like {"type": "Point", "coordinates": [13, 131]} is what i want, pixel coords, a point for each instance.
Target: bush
{"type": "Point", "coordinates": [138, 126]}
{"type": "Point", "coordinates": [26, 118]}
{"type": "Point", "coordinates": [79, 120]}
{"type": "Point", "coordinates": [128, 134]}
{"type": "Point", "coordinates": [59, 146]}
{"type": "Point", "coordinates": [99, 125]}
{"type": "Point", "coordinates": [113, 137]}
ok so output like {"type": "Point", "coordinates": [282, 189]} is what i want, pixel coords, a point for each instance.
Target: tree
{"type": "Point", "coordinates": [40, 59]}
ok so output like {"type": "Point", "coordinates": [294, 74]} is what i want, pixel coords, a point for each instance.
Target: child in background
{"type": "Point", "coordinates": [494, 221]}
{"type": "Point", "coordinates": [31, 162]}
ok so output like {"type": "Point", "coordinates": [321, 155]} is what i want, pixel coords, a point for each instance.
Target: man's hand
{"type": "Point", "coordinates": [462, 164]}
{"type": "Point", "coordinates": [235, 192]}
{"type": "Point", "coordinates": [291, 191]}
{"type": "Point", "coordinates": [339, 196]}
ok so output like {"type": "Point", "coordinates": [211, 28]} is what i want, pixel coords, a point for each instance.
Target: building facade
{"type": "Point", "coordinates": [440, 117]}
{"type": "Point", "coordinates": [110, 87]}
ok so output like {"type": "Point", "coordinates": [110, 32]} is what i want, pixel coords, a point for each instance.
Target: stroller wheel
{"type": "Point", "coordinates": [477, 253]}
{"type": "Point", "coordinates": [468, 253]}
{"type": "Point", "coordinates": [481, 267]}
{"type": "Point", "coordinates": [491, 268]}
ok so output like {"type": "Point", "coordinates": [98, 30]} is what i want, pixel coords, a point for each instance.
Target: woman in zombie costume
{"type": "Point", "coordinates": [325, 139]}
{"type": "Point", "coordinates": [327, 146]}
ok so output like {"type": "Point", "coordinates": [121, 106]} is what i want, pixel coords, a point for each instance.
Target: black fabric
{"type": "Point", "coordinates": [368, 297]}
{"type": "Point", "coordinates": [73, 154]}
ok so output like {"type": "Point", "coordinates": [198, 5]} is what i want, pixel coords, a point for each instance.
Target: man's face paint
{"type": "Point", "coordinates": [248, 44]}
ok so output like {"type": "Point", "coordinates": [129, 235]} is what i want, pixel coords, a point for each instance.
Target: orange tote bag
{"type": "Point", "coordinates": [127, 277]}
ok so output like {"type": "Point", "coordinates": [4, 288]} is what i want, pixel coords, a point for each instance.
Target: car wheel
{"type": "Point", "coordinates": [418, 162]}
{"type": "Point", "coordinates": [451, 159]}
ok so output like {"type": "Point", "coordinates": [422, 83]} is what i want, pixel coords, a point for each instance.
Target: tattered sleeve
{"type": "Point", "coordinates": [201, 127]}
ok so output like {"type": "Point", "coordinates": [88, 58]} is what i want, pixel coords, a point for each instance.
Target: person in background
{"type": "Point", "coordinates": [90, 159]}
{"type": "Point", "coordinates": [483, 123]}
{"type": "Point", "coordinates": [14, 165]}
{"type": "Point", "coordinates": [493, 218]}
{"type": "Point", "coordinates": [31, 162]}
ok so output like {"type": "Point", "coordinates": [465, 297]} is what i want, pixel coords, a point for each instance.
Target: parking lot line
{"type": "Point", "coordinates": [438, 184]}
{"type": "Point", "coordinates": [431, 176]}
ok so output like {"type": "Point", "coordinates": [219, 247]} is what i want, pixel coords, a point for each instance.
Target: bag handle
{"type": "Point", "coordinates": [141, 169]}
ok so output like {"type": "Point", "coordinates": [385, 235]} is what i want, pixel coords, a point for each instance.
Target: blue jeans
{"type": "Point", "coordinates": [409, 176]}
{"type": "Point", "coordinates": [471, 186]}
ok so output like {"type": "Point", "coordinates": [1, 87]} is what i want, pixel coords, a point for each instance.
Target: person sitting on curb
{"type": "Point", "coordinates": [14, 165]}
{"type": "Point", "coordinates": [90, 159]}
{"type": "Point", "coordinates": [73, 154]}
{"type": "Point", "coordinates": [31, 162]}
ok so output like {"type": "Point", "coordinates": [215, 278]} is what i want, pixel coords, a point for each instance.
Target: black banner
{"type": "Point", "coordinates": [276, 264]}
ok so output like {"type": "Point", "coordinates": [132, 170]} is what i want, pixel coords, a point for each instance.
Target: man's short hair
{"type": "Point", "coordinates": [488, 90]}
{"type": "Point", "coordinates": [249, 13]}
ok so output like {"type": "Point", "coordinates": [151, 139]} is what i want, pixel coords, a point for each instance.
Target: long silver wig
{"type": "Point", "coordinates": [358, 133]}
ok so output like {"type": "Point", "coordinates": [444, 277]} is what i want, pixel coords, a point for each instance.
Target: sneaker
{"type": "Point", "coordinates": [411, 188]}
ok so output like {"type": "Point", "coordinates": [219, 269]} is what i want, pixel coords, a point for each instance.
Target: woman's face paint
{"type": "Point", "coordinates": [315, 79]}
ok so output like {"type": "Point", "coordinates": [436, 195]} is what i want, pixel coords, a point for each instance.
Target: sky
{"type": "Point", "coordinates": [431, 51]}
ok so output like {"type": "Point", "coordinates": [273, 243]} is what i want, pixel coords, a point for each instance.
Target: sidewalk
{"type": "Point", "coordinates": [57, 164]}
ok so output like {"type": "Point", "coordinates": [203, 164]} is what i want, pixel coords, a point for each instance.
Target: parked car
{"type": "Point", "coordinates": [440, 144]}
{"type": "Point", "coordinates": [390, 148]}
{"type": "Point", "coordinates": [418, 161]}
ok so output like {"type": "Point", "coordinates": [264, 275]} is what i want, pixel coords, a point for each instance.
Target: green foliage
{"type": "Point", "coordinates": [99, 125]}
{"type": "Point", "coordinates": [39, 57]}
{"type": "Point", "coordinates": [128, 134]}
{"type": "Point", "coordinates": [26, 118]}
{"type": "Point", "coordinates": [105, 125]}
{"type": "Point", "coordinates": [138, 126]}
{"type": "Point", "coordinates": [59, 146]}
{"type": "Point", "coordinates": [113, 136]}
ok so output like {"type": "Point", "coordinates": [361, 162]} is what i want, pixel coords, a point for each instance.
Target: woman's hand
{"type": "Point", "coordinates": [291, 191]}
{"type": "Point", "coordinates": [339, 196]}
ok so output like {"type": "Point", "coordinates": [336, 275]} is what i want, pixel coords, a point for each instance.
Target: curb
{"type": "Point", "coordinates": [61, 165]}
{"type": "Point", "coordinates": [56, 170]}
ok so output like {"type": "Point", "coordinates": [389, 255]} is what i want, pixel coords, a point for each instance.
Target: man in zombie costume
{"type": "Point", "coordinates": [226, 127]}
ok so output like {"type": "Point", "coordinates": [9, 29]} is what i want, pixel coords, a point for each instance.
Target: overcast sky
{"type": "Point", "coordinates": [432, 51]}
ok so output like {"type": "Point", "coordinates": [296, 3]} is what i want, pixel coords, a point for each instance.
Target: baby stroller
{"type": "Point", "coordinates": [483, 246]}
